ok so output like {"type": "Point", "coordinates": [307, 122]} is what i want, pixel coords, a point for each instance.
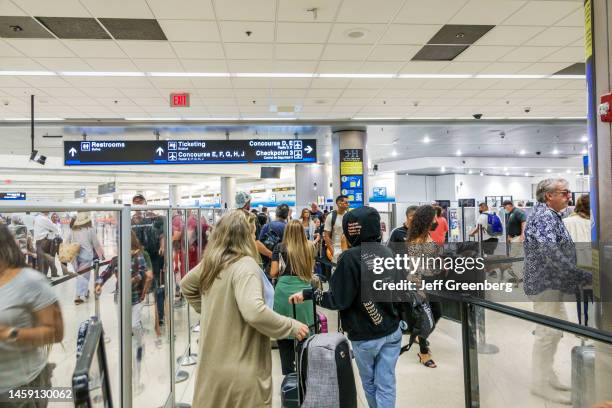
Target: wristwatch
{"type": "Point", "coordinates": [11, 337]}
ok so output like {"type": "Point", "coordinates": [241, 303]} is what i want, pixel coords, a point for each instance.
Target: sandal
{"type": "Point", "coordinates": [426, 360]}
{"type": "Point", "coordinates": [78, 301]}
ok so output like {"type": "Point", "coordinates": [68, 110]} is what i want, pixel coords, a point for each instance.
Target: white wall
{"type": "Point", "coordinates": [445, 187]}
{"type": "Point", "coordinates": [410, 188]}
{"type": "Point", "coordinates": [476, 186]}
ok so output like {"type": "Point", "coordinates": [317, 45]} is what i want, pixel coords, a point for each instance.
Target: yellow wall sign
{"type": "Point", "coordinates": [588, 30]}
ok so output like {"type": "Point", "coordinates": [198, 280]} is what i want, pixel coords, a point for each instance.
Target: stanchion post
{"type": "Point", "coordinates": [187, 359]}
{"type": "Point", "coordinates": [125, 292]}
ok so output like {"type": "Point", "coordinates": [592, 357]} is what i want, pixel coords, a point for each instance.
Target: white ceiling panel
{"type": "Point", "coordinates": [115, 103]}
{"type": "Point", "coordinates": [235, 31]}
{"type": "Point", "coordinates": [329, 83]}
{"type": "Point", "coordinates": [423, 67]}
{"type": "Point", "coordinates": [171, 82]}
{"type": "Point", "coordinates": [7, 51]}
{"type": "Point", "coordinates": [295, 83]}
{"type": "Point", "coordinates": [361, 11]}
{"type": "Point", "coordinates": [102, 91]}
{"type": "Point", "coordinates": [337, 52]}
{"type": "Point", "coordinates": [557, 36]}
{"type": "Point", "coordinates": [159, 65]}
{"type": "Point", "coordinates": [429, 12]}
{"type": "Point", "coordinates": [575, 19]}
{"type": "Point", "coordinates": [55, 8]}
{"type": "Point", "coordinates": [64, 91]}
{"type": "Point", "coordinates": [206, 83]}
{"type": "Point", "coordinates": [198, 50]}
{"type": "Point", "coordinates": [64, 64]}
{"type": "Point", "coordinates": [393, 52]}
{"type": "Point", "coordinates": [307, 33]}
{"type": "Point", "coordinates": [338, 67]}
{"type": "Point", "coordinates": [566, 54]}
{"type": "Point", "coordinates": [19, 64]}
{"type": "Point", "coordinates": [343, 101]}
{"type": "Point", "coordinates": [504, 68]}
{"type": "Point", "coordinates": [363, 83]}
{"type": "Point", "coordinates": [199, 65]}
{"type": "Point", "coordinates": [329, 93]}
{"type": "Point", "coordinates": [483, 53]}
{"type": "Point", "coordinates": [381, 67]}
{"type": "Point", "coordinates": [298, 51]}
{"type": "Point", "coordinates": [256, 66]}
{"type": "Point", "coordinates": [505, 35]}
{"type": "Point", "coordinates": [7, 8]}
{"type": "Point", "coordinates": [544, 68]}
{"type": "Point", "coordinates": [40, 47]}
{"type": "Point", "coordinates": [284, 92]}
{"type": "Point", "coordinates": [245, 51]}
{"type": "Point", "coordinates": [251, 10]}
{"type": "Point", "coordinates": [463, 67]}
{"type": "Point", "coordinates": [528, 54]}
{"type": "Point", "coordinates": [409, 34]}
{"type": "Point", "coordinates": [23, 94]}
{"type": "Point", "coordinates": [294, 66]}
{"type": "Point", "coordinates": [297, 10]}
{"type": "Point", "coordinates": [112, 64]}
{"type": "Point", "coordinates": [95, 48]}
{"type": "Point", "coordinates": [184, 9]}
{"type": "Point", "coordinates": [190, 30]}
{"type": "Point", "coordinates": [147, 49]}
{"type": "Point", "coordinates": [141, 93]}
{"type": "Point", "coordinates": [442, 83]}
{"type": "Point", "coordinates": [542, 12]}
{"type": "Point", "coordinates": [473, 84]}
{"type": "Point", "coordinates": [401, 85]}
{"type": "Point", "coordinates": [486, 11]}
{"type": "Point", "coordinates": [47, 82]}
{"type": "Point", "coordinates": [246, 83]}
{"type": "Point", "coordinates": [118, 8]}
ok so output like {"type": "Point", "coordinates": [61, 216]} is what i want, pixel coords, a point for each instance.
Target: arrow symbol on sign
{"type": "Point", "coordinates": [308, 149]}
{"type": "Point", "coordinates": [159, 151]}
{"type": "Point", "coordinates": [72, 151]}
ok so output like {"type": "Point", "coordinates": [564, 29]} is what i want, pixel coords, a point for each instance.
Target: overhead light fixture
{"type": "Point", "coordinates": [373, 118]}
{"type": "Point", "coordinates": [522, 152]}
{"type": "Point", "coordinates": [548, 170]}
{"type": "Point", "coordinates": [584, 139]}
{"type": "Point", "coordinates": [442, 169]}
{"type": "Point", "coordinates": [505, 169]}
{"type": "Point", "coordinates": [526, 174]}
{"type": "Point", "coordinates": [273, 75]}
{"type": "Point", "coordinates": [506, 76]}
{"type": "Point", "coordinates": [394, 153]}
{"type": "Point", "coordinates": [366, 76]}
{"type": "Point", "coordinates": [584, 151]}
{"type": "Point", "coordinates": [458, 153]}
{"type": "Point", "coordinates": [101, 74]}
{"type": "Point", "coordinates": [555, 151]}
{"type": "Point", "coordinates": [156, 119]}
{"type": "Point", "coordinates": [470, 171]}
{"type": "Point", "coordinates": [507, 174]}
{"type": "Point", "coordinates": [435, 76]}
{"type": "Point", "coordinates": [27, 73]}
{"type": "Point", "coordinates": [426, 139]}
{"type": "Point", "coordinates": [189, 74]}
{"type": "Point", "coordinates": [481, 173]}
{"type": "Point", "coordinates": [327, 154]}
{"type": "Point", "coordinates": [568, 171]}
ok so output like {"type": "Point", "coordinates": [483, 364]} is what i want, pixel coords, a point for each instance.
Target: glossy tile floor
{"type": "Point", "coordinates": [504, 376]}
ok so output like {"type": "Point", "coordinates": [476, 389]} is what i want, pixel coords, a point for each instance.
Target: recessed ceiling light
{"type": "Point", "coordinates": [584, 139]}
{"type": "Point", "coordinates": [548, 170]}
{"type": "Point", "coordinates": [481, 173]}
{"type": "Point", "coordinates": [584, 151]}
{"type": "Point", "coordinates": [507, 174]}
{"type": "Point", "coordinates": [426, 139]}
{"type": "Point", "coordinates": [505, 169]}
{"type": "Point", "coordinates": [356, 33]}
{"type": "Point", "coordinates": [470, 171]}
{"type": "Point", "coordinates": [442, 168]}
{"type": "Point", "coordinates": [458, 153]}
{"type": "Point", "coordinates": [394, 153]}
{"type": "Point", "coordinates": [327, 154]}
{"type": "Point", "coordinates": [526, 174]}
{"type": "Point", "coordinates": [568, 171]}
{"type": "Point", "coordinates": [522, 152]}
{"type": "Point", "coordinates": [555, 151]}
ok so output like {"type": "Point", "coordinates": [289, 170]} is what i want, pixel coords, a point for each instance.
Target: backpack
{"type": "Point", "coordinates": [271, 238]}
{"type": "Point", "coordinates": [149, 234]}
{"type": "Point", "coordinates": [419, 319]}
{"type": "Point", "coordinates": [494, 225]}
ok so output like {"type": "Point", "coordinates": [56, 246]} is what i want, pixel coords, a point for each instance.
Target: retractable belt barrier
{"type": "Point", "coordinates": [75, 274]}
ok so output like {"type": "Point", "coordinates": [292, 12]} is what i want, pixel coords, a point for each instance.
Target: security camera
{"type": "Point", "coordinates": [375, 167]}
{"type": "Point", "coordinates": [35, 157]}
{"type": "Point", "coordinates": [538, 152]}
{"type": "Point", "coordinates": [477, 115]}
{"type": "Point", "coordinates": [527, 109]}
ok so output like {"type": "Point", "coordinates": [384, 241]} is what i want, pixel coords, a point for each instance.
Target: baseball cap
{"type": "Point", "coordinates": [242, 198]}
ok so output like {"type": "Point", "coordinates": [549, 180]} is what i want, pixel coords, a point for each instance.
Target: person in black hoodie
{"type": "Point", "coordinates": [372, 325]}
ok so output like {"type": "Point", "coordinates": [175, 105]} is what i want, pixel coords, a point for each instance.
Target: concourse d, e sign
{"type": "Point", "coordinates": [131, 152]}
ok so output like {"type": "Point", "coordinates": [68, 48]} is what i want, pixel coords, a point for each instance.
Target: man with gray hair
{"type": "Point", "coordinates": [550, 272]}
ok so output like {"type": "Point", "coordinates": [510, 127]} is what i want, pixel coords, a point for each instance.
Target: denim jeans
{"type": "Point", "coordinates": [376, 360]}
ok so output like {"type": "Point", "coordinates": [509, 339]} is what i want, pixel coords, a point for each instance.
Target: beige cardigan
{"type": "Point", "coordinates": [235, 368]}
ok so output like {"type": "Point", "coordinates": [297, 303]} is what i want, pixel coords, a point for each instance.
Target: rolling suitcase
{"type": "Point", "coordinates": [583, 376]}
{"type": "Point", "coordinates": [292, 388]}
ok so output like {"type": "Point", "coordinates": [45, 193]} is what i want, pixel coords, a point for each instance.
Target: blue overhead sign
{"type": "Point", "coordinates": [12, 196]}
{"type": "Point", "coordinates": [131, 152]}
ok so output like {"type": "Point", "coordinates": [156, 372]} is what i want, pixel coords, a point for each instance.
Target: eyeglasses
{"type": "Point", "coordinates": [564, 192]}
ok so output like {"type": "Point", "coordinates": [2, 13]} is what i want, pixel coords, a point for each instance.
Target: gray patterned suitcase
{"type": "Point", "coordinates": [583, 376]}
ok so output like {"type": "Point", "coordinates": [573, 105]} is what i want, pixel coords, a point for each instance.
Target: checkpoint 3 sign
{"type": "Point", "coordinates": [131, 152]}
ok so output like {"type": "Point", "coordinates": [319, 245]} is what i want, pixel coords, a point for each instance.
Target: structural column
{"type": "Point", "coordinates": [311, 182]}
{"type": "Point", "coordinates": [173, 195]}
{"type": "Point", "coordinates": [228, 193]}
{"type": "Point", "coordinates": [350, 165]}
{"type": "Point", "coordinates": [598, 20]}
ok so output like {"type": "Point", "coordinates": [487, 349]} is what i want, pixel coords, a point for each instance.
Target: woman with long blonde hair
{"type": "Point", "coordinates": [293, 263]}
{"type": "Point", "coordinates": [236, 326]}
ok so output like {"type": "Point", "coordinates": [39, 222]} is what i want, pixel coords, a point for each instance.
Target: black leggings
{"type": "Point", "coordinates": [436, 311]}
{"type": "Point", "coordinates": [287, 355]}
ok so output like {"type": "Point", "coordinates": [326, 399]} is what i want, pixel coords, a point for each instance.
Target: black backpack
{"type": "Point", "coordinates": [271, 239]}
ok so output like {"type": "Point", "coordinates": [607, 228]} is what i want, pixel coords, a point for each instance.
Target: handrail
{"type": "Point", "coordinates": [75, 274]}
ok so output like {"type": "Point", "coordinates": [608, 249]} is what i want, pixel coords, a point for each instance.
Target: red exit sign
{"type": "Point", "coordinates": [179, 100]}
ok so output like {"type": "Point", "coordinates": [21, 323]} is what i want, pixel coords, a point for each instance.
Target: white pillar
{"type": "Point", "coordinates": [228, 193]}
{"type": "Point", "coordinates": [311, 182]}
{"type": "Point", "coordinates": [173, 195]}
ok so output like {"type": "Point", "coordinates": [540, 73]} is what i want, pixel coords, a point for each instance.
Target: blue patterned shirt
{"type": "Point", "coordinates": [550, 254]}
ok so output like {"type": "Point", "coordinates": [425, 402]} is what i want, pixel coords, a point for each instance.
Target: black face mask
{"type": "Point", "coordinates": [433, 226]}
